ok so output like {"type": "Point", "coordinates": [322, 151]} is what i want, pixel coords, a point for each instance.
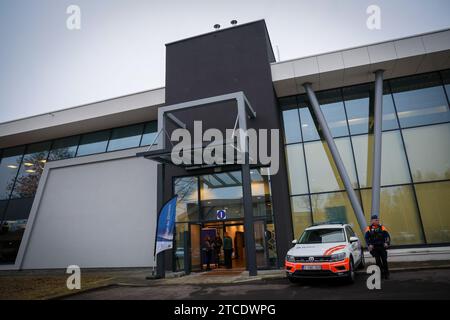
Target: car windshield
{"type": "Point", "coordinates": [322, 236]}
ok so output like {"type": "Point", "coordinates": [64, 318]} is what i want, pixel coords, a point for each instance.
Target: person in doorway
{"type": "Point", "coordinates": [227, 250]}
{"type": "Point", "coordinates": [217, 249]}
{"type": "Point", "coordinates": [378, 240]}
{"type": "Point", "coordinates": [207, 248]}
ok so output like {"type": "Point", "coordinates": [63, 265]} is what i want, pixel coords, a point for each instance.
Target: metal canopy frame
{"type": "Point", "coordinates": [244, 112]}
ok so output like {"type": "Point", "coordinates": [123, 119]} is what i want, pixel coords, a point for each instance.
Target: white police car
{"type": "Point", "coordinates": [326, 250]}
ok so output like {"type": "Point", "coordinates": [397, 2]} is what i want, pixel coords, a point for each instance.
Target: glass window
{"type": "Point", "coordinates": [394, 168]}
{"type": "Point", "coordinates": [434, 205]}
{"type": "Point", "coordinates": [296, 169]}
{"type": "Point", "coordinates": [333, 110]}
{"type": "Point", "coordinates": [92, 143]}
{"type": "Point", "coordinates": [13, 227]}
{"type": "Point", "coordinates": [180, 238]}
{"type": "Point", "coordinates": [126, 137]}
{"type": "Point", "coordinates": [389, 115]}
{"type": "Point", "coordinates": [9, 165]}
{"type": "Point", "coordinates": [216, 194]}
{"type": "Point", "coordinates": [309, 129]}
{"type": "Point", "coordinates": [3, 204]}
{"type": "Point", "coordinates": [322, 172]}
{"type": "Point", "coordinates": [322, 236]}
{"type": "Point", "coordinates": [428, 150]}
{"type": "Point", "coordinates": [30, 170]}
{"type": "Point", "coordinates": [301, 214]}
{"type": "Point", "coordinates": [64, 148]}
{"type": "Point", "coordinates": [398, 212]}
{"type": "Point", "coordinates": [420, 100]}
{"type": "Point", "coordinates": [291, 123]}
{"type": "Point", "coordinates": [357, 100]}
{"type": "Point", "coordinates": [261, 194]}
{"type": "Point", "coordinates": [187, 202]}
{"type": "Point", "coordinates": [446, 77]}
{"type": "Point", "coordinates": [150, 132]}
{"type": "Point", "coordinates": [334, 207]}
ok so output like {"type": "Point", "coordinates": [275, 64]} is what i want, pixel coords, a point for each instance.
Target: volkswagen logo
{"type": "Point", "coordinates": [311, 259]}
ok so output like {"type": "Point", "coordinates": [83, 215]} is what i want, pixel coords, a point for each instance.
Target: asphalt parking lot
{"type": "Point", "coordinates": [424, 284]}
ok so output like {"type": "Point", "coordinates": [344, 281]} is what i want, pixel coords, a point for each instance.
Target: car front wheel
{"type": "Point", "coordinates": [293, 280]}
{"type": "Point", "coordinates": [351, 272]}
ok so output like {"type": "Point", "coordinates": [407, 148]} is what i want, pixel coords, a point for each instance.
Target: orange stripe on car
{"type": "Point", "coordinates": [332, 249]}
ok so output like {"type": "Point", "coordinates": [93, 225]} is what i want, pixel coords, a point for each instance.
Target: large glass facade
{"type": "Point", "coordinates": [415, 157]}
{"type": "Point", "coordinates": [21, 168]}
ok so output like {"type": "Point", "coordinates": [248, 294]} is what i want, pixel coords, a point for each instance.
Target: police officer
{"type": "Point", "coordinates": [378, 240]}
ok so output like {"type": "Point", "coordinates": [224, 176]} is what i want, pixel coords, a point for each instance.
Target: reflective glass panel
{"type": "Point", "coordinates": [322, 172]}
{"type": "Point", "coordinates": [216, 194]}
{"type": "Point", "coordinates": [150, 132]}
{"type": "Point", "coordinates": [30, 170]}
{"type": "Point", "coordinates": [261, 193]}
{"type": "Point", "coordinates": [333, 110]}
{"type": "Point", "coordinates": [180, 242]}
{"type": "Point", "coordinates": [187, 202]}
{"type": "Point", "coordinates": [92, 143]}
{"type": "Point", "coordinates": [296, 169]}
{"type": "Point", "coordinates": [309, 128]}
{"type": "Point", "coordinates": [9, 165]}
{"type": "Point", "coordinates": [434, 205]}
{"type": "Point", "coordinates": [357, 99]}
{"type": "Point", "coordinates": [334, 207]}
{"type": "Point", "coordinates": [446, 77]}
{"type": "Point", "coordinates": [126, 137]}
{"type": "Point", "coordinates": [291, 123]}
{"type": "Point", "coordinates": [389, 115]}
{"type": "Point", "coordinates": [428, 150]}
{"type": "Point", "coordinates": [64, 148]}
{"type": "Point", "coordinates": [398, 213]}
{"type": "Point", "coordinates": [420, 100]}
{"type": "Point", "coordinates": [13, 227]}
{"type": "Point", "coordinates": [394, 168]}
{"type": "Point", "coordinates": [301, 214]}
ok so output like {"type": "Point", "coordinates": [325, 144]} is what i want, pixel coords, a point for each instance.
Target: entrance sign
{"type": "Point", "coordinates": [166, 223]}
{"type": "Point", "coordinates": [221, 214]}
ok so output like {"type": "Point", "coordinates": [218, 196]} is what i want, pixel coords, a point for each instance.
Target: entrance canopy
{"type": "Point", "coordinates": [223, 114]}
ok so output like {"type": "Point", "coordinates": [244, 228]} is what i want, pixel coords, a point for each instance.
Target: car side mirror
{"type": "Point", "coordinates": [353, 239]}
{"type": "Point", "coordinates": [294, 241]}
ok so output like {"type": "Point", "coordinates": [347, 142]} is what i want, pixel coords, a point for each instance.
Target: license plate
{"type": "Point", "coordinates": [312, 267]}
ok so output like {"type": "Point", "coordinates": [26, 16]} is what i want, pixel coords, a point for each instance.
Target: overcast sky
{"type": "Point", "coordinates": [119, 49]}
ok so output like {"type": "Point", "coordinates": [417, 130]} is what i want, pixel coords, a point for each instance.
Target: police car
{"type": "Point", "coordinates": [326, 250]}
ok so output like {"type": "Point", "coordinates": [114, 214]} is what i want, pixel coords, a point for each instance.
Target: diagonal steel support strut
{"type": "Point", "coordinates": [336, 157]}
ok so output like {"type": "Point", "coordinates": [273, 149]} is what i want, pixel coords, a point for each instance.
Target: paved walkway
{"type": "Point", "coordinates": [422, 284]}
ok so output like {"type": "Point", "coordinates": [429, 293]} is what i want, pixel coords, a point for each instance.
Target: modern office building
{"type": "Point", "coordinates": [83, 186]}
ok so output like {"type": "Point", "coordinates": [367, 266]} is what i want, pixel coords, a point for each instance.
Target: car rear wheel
{"type": "Point", "coordinates": [351, 272]}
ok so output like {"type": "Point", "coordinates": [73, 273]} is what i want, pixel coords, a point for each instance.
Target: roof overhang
{"type": "Point", "coordinates": [403, 57]}
{"type": "Point", "coordinates": [100, 115]}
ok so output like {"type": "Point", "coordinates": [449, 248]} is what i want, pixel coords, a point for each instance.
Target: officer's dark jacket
{"type": "Point", "coordinates": [377, 236]}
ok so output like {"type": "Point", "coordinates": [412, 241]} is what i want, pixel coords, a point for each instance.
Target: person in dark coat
{"type": "Point", "coordinates": [378, 240]}
{"type": "Point", "coordinates": [227, 251]}
{"type": "Point", "coordinates": [217, 248]}
{"type": "Point", "coordinates": [207, 248]}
